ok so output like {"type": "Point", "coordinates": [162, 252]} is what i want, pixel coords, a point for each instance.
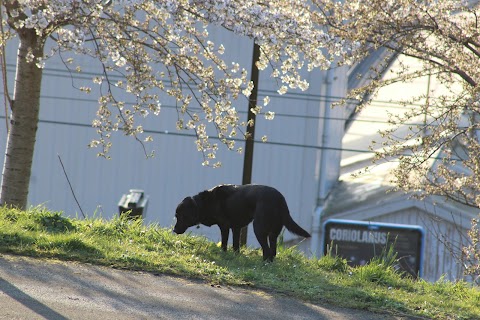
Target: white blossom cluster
{"type": "Point", "coordinates": [163, 47]}
{"type": "Point", "coordinates": [441, 154]}
{"type": "Point", "coordinates": [445, 36]}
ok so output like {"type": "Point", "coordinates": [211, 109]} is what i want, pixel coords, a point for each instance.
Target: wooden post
{"type": "Point", "coordinates": [249, 140]}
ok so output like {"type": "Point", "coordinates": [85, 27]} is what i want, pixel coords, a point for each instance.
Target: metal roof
{"type": "Point", "coordinates": [372, 194]}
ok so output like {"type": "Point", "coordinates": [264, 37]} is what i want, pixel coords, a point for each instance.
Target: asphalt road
{"type": "Point", "coordinates": [45, 289]}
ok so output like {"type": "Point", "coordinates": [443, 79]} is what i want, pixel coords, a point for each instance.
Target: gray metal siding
{"type": "Point", "coordinates": [443, 241]}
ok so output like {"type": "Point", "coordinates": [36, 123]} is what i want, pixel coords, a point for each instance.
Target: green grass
{"type": "Point", "coordinates": [125, 244]}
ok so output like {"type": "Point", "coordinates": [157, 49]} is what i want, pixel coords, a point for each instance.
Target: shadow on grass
{"type": "Point", "coordinates": [63, 248]}
{"type": "Point", "coordinates": [289, 274]}
{"type": "Point", "coordinates": [16, 243]}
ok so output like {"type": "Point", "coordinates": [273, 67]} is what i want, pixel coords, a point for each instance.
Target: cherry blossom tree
{"type": "Point", "coordinates": [150, 44]}
{"type": "Point", "coordinates": [440, 154]}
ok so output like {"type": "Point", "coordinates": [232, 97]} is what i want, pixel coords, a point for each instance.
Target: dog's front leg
{"type": "Point", "coordinates": [236, 239]}
{"type": "Point", "coordinates": [224, 231]}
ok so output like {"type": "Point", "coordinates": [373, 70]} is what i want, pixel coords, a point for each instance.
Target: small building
{"type": "Point", "coordinates": [371, 197]}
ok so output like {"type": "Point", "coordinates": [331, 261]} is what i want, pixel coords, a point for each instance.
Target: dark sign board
{"type": "Point", "coordinates": [359, 241]}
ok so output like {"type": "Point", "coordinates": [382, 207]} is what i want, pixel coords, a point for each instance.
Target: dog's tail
{"type": "Point", "coordinates": [292, 226]}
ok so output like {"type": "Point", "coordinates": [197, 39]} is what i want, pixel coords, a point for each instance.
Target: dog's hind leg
{"type": "Point", "coordinates": [272, 239]}
{"type": "Point", "coordinates": [262, 239]}
{"type": "Point", "coordinates": [236, 239]}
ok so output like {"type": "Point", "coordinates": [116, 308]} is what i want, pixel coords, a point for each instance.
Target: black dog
{"type": "Point", "coordinates": [234, 207]}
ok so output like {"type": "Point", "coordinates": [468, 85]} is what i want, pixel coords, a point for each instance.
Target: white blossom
{"type": "Point", "coordinates": [269, 115]}
{"type": "Point", "coordinates": [282, 90]}
{"type": "Point", "coordinates": [266, 100]}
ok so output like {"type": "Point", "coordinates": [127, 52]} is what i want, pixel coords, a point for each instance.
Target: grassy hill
{"type": "Point", "coordinates": [121, 243]}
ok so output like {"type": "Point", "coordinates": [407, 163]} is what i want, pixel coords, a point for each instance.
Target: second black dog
{"type": "Point", "coordinates": [234, 207]}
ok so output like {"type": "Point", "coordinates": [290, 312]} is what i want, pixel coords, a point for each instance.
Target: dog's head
{"type": "Point", "coordinates": [186, 215]}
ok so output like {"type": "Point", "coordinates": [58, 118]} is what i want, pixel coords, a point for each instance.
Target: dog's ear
{"type": "Point", "coordinates": [191, 201]}
{"type": "Point", "coordinates": [187, 204]}
{"type": "Point", "coordinates": [184, 202]}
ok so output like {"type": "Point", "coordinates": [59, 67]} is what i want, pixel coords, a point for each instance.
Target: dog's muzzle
{"type": "Point", "coordinates": [175, 230]}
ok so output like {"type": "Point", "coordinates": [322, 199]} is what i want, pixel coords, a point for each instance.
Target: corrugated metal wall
{"type": "Point", "coordinates": [289, 161]}
{"type": "Point", "coordinates": [443, 242]}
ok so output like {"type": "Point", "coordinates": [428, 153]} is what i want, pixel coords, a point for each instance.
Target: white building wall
{"type": "Point", "coordinates": [289, 161]}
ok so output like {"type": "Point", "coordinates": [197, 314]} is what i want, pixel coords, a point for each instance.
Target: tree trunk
{"type": "Point", "coordinates": [24, 122]}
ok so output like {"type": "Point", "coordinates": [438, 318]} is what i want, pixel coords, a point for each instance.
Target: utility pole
{"type": "Point", "coordinates": [250, 134]}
